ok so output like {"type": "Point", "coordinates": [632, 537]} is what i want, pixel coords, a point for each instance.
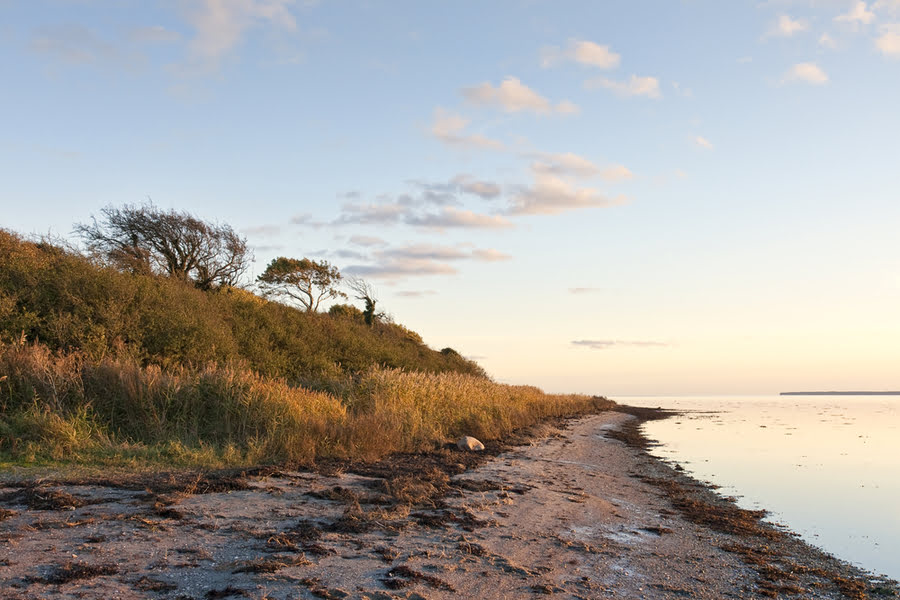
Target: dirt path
{"type": "Point", "coordinates": [573, 515]}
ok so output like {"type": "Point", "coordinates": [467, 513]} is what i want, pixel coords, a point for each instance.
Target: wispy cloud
{"type": "Point", "coordinates": [616, 173]}
{"type": "Point", "coordinates": [439, 194]}
{"type": "Point", "coordinates": [859, 14]}
{"type": "Point", "coordinates": [806, 73]}
{"type": "Point", "coordinates": [220, 25]}
{"type": "Point", "coordinates": [889, 40]}
{"type": "Point", "coordinates": [455, 218]}
{"type": "Point", "coordinates": [450, 128]}
{"type": "Point", "coordinates": [448, 192]}
{"type": "Point", "coordinates": [432, 205]}
{"type": "Point", "coordinates": [567, 107]}
{"type": "Point", "coordinates": [483, 189]}
{"type": "Point", "coordinates": [571, 164]}
{"type": "Point", "coordinates": [514, 96]}
{"type": "Point", "coordinates": [633, 86]}
{"type": "Point", "coordinates": [424, 252]}
{"type": "Point", "coordinates": [490, 255]}
{"type": "Point", "coordinates": [371, 214]}
{"type": "Point", "coordinates": [607, 344]}
{"type": "Point", "coordinates": [583, 52]}
{"type": "Point", "coordinates": [550, 194]}
{"type": "Point", "coordinates": [441, 253]}
{"type": "Point", "coordinates": [566, 163]}
{"type": "Point", "coordinates": [400, 269]}
{"type": "Point", "coordinates": [367, 241]}
{"type": "Point", "coordinates": [415, 293]}
{"type": "Point", "coordinates": [826, 41]}
{"type": "Point", "coordinates": [422, 259]}
{"type": "Point", "coordinates": [703, 142]}
{"type": "Point", "coordinates": [786, 26]}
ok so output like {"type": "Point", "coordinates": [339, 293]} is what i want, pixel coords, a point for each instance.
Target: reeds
{"type": "Point", "coordinates": [71, 407]}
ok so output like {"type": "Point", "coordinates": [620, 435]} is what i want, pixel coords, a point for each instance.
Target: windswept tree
{"type": "Point", "coordinates": [364, 291]}
{"type": "Point", "coordinates": [146, 239]}
{"type": "Point", "coordinates": [306, 281]}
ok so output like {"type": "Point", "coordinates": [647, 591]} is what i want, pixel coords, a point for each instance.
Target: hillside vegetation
{"type": "Point", "coordinates": [67, 302]}
{"type": "Point", "coordinates": [102, 365]}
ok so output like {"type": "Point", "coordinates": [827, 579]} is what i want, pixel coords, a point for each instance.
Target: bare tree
{"type": "Point", "coordinates": [364, 291]}
{"type": "Point", "coordinates": [146, 239]}
{"type": "Point", "coordinates": [307, 281]}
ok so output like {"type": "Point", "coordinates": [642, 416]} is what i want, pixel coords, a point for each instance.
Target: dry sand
{"type": "Point", "coordinates": [574, 514]}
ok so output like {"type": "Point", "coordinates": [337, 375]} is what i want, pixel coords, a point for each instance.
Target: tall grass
{"type": "Point", "coordinates": [71, 407]}
{"type": "Point", "coordinates": [412, 410]}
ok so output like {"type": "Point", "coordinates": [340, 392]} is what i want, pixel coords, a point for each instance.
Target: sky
{"type": "Point", "coordinates": [608, 197]}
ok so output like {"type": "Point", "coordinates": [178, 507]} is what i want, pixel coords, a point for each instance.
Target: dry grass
{"type": "Point", "coordinates": [411, 411]}
{"type": "Point", "coordinates": [69, 408]}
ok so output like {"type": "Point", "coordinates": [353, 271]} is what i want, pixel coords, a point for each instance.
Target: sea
{"type": "Point", "coordinates": [826, 467]}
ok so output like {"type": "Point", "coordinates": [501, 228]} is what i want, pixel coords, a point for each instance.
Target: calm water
{"type": "Point", "coordinates": [828, 467]}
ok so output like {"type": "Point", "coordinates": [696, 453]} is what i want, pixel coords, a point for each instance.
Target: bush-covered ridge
{"type": "Point", "coordinates": [68, 302]}
{"type": "Point", "coordinates": [100, 366]}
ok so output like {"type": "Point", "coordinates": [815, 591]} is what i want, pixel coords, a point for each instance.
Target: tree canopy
{"type": "Point", "coordinates": [146, 239]}
{"type": "Point", "coordinates": [306, 281]}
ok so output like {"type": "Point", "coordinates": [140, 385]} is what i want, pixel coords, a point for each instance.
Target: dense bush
{"type": "Point", "coordinates": [70, 303]}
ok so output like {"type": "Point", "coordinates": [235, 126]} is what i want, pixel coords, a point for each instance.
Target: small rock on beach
{"type": "Point", "coordinates": [467, 442]}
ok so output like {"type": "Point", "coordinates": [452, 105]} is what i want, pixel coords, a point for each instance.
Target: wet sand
{"type": "Point", "coordinates": [580, 510]}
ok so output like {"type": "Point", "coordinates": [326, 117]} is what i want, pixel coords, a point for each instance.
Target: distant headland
{"type": "Point", "coordinates": [850, 393]}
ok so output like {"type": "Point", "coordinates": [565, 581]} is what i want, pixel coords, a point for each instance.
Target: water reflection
{"type": "Point", "coordinates": [825, 466]}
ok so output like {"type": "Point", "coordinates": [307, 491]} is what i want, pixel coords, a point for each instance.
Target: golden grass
{"type": "Point", "coordinates": [412, 411]}
{"type": "Point", "coordinates": [70, 408]}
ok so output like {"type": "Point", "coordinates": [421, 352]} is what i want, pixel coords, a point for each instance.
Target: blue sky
{"type": "Point", "coordinates": [608, 197]}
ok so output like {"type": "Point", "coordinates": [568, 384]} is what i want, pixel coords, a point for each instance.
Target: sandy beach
{"type": "Point", "coordinates": [575, 510]}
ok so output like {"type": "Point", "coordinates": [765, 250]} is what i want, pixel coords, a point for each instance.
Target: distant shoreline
{"type": "Point", "coordinates": [857, 393]}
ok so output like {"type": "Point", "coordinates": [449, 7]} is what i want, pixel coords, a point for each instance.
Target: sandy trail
{"type": "Point", "coordinates": [573, 515]}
